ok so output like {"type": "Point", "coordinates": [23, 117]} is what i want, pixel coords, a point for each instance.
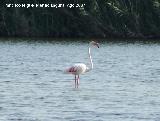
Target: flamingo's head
{"type": "Point", "coordinates": [94, 43]}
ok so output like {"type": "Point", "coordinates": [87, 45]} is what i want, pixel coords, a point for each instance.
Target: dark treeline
{"type": "Point", "coordinates": [97, 19]}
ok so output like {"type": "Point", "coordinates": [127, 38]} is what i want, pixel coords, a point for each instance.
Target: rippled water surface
{"type": "Point", "coordinates": [123, 86]}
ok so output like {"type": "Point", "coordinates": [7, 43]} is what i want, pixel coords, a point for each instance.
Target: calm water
{"type": "Point", "coordinates": [123, 86]}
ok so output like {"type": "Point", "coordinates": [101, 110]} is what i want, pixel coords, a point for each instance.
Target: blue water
{"type": "Point", "coordinates": [123, 86]}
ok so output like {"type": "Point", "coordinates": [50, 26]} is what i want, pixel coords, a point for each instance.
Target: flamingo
{"type": "Point", "coordinates": [80, 68]}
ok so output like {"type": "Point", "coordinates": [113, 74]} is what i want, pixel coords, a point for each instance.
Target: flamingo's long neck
{"type": "Point", "coordinates": [90, 58]}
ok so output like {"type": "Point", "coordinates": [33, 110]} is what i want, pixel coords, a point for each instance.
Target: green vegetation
{"type": "Point", "coordinates": [98, 19]}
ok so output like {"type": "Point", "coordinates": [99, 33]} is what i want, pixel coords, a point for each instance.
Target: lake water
{"type": "Point", "coordinates": [123, 86]}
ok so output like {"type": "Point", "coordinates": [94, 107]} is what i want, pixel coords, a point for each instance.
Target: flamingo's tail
{"type": "Point", "coordinates": [70, 70]}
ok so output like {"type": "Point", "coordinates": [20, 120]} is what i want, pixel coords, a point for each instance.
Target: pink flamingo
{"type": "Point", "coordinates": [81, 68]}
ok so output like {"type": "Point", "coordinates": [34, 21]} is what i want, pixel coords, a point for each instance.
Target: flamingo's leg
{"type": "Point", "coordinates": [75, 81]}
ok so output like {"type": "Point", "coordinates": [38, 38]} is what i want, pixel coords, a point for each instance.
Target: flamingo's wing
{"type": "Point", "coordinates": [77, 69]}
{"type": "Point", "coordinates": [72, 69]}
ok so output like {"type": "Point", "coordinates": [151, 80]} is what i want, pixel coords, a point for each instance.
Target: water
{"type": "Point", "coordinates": [123, 86]}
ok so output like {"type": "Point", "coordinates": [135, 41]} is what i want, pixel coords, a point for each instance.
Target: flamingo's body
{"type": "Point", "coordinates": [77, 69]}
{"type": "Point", "coordinates": [81, 68]}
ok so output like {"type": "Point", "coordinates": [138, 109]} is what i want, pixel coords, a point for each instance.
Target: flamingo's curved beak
{"type": "Point", "coordinates": [96, 44]}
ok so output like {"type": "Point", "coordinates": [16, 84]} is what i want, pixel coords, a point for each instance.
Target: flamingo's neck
{"type": "Point", "coordinates": [90, 57]}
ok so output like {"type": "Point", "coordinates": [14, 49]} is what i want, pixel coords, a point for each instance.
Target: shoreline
{"type": "Point", "coordinates": [83, 40]}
